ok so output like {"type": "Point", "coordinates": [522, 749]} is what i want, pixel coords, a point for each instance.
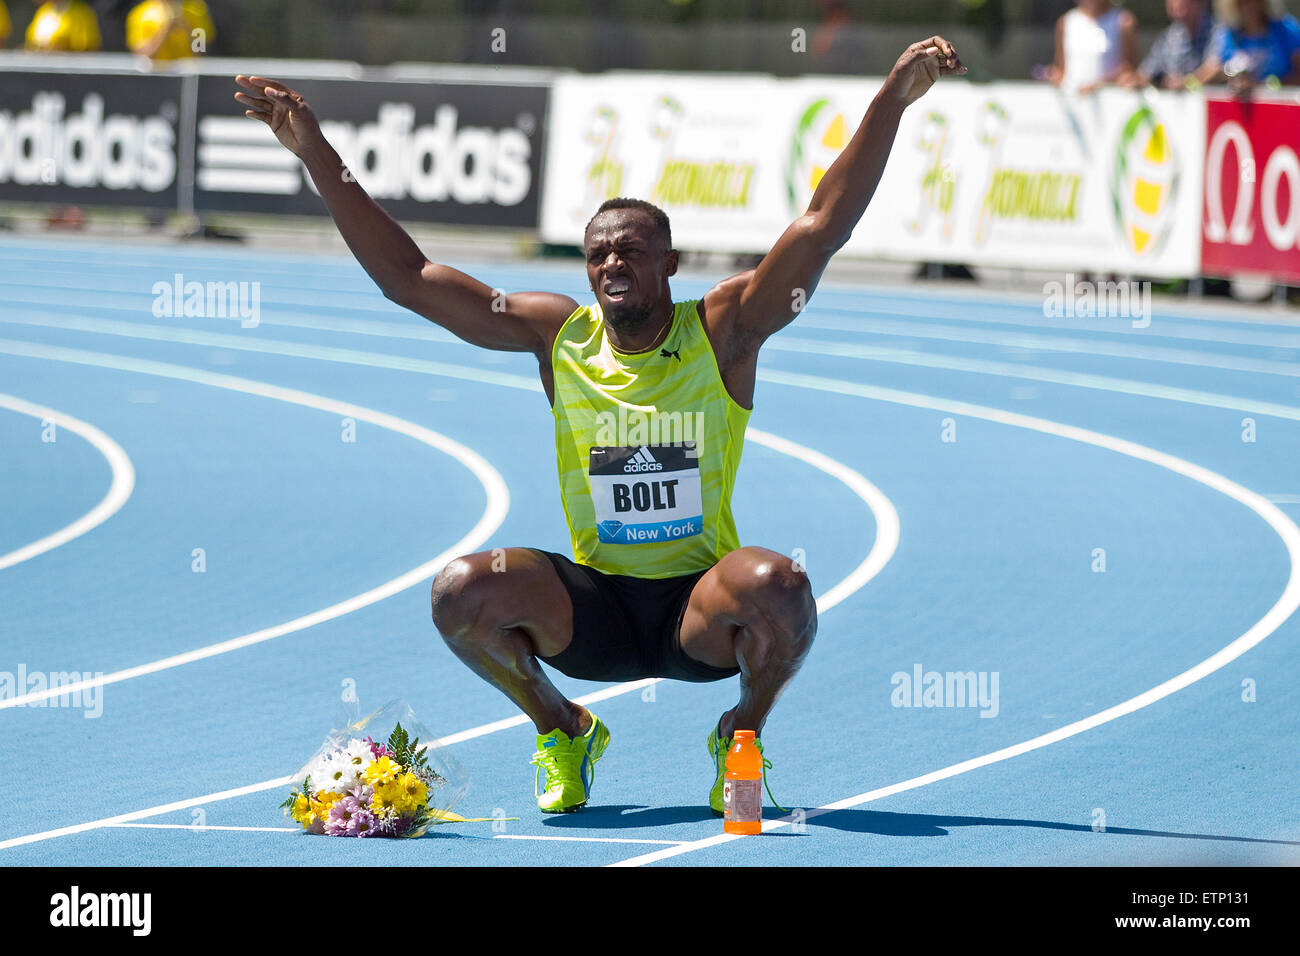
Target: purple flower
{"type": "Point", "coordinates": [363, 794]}
{"type": "Point", "coordinates": [340, 819]}
{"type": "Point", "coordinates": [363, 824]}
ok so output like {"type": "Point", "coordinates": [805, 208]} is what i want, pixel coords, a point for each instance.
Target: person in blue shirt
{"type": "Point", "coordinates": [1180, 48]}
{"type": "Point", "coordinates": [1257, 41]}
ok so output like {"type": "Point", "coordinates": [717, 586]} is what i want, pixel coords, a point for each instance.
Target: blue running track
{"type": "Point", "coordinates": [1098, 517]}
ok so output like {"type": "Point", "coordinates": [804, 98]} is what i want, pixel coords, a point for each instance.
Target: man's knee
{"type": "Point", "coordinates": [778, 589]}
{"type": "Point", "coordinates": [458, 595]}
{"type": "Point", "coordinates": [479, 594]}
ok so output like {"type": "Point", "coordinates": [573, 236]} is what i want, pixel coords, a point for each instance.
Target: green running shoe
{"type": "Point", "coordinates": [570, 767]}
{"type": "Point", "coordinates": [718, 747]}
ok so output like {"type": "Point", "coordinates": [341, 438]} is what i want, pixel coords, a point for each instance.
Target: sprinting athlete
{"type": "Point", "coordinates": [650, 400]}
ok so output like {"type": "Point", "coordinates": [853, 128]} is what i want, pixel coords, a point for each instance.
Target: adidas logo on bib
{"type": "Point", "coordinates": [642, 461]}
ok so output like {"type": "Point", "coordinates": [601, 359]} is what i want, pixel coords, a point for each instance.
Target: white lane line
{"type": "Point", "coordinates": [143, 814]}
{"type": "Point", "coordinates": [882, 509]}
{"type": "Point", "coordinates": [573, 839]}
{"type": "Point", "coordinates": [1031, 373]}
{"type": "Point", "coordinates": [1053, 343]}
{"type": "Point", "coordinates": [857, 319]}
{"type": "Point", "coordinates": [498, 501]}
{"type": "Point", "coordinates": [780, 343]}
{"type": "Point", "coordinates": [905, 300]}
{"type": "Point", "coordinates": [119, 489]}
{"type": "Point", "coordinates": [886, 542]}
{"type": "Point", "coordinates": [323, 353]}
{"type": "Point", "coordinates": [982, 306]}
{"type": "Point", "coordinates": [199, 829]}
{"type": "Point", "coordinates": [1286, 604]}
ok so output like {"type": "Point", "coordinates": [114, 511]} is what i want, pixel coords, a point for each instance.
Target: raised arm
{"type": "Point", "coordinates": [466, 307]}
{"type": "Point", "coordinates": [744, 310]}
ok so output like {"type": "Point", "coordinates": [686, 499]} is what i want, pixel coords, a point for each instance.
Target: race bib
{"type": "Point", "coordinates": [646, 494]}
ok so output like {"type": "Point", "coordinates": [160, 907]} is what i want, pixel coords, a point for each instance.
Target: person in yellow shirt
{"type": "Point", "coordinates": [64, 26]}
{"type": "Point", "coordinates": [6, 26]}
{"type": "Point", "coordinates": [169, 29]}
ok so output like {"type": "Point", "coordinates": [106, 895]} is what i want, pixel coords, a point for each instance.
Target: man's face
{"type": "Point", "coordinates": [628, 264]}
{"type": "Point", "coordinates": [1184, 10]}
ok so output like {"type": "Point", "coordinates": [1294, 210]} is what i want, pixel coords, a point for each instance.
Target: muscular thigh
{"type": "Point", "coordinates": [723, 602]}
{"type": "Point", "coordinates": [507, 588]}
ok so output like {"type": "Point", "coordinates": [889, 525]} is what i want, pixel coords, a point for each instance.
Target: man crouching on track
{"type": "Point", "coordinates": [650, 400]}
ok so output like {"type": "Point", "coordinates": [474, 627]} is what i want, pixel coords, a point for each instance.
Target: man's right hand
{"type": "Point", "coordinates": [286, 112]}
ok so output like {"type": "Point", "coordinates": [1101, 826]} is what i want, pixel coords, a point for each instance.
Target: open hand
{"type": "Point", "coordinates": [920, 67]}
{"type": "Point", "coordinates": [280, 108]}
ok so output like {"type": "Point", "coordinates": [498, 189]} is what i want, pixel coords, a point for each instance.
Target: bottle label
{"type": "Point", "coordinates": [743, 801]}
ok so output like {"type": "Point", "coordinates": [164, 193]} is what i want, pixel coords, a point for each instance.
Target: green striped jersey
{"type": "Point", "coordinates": [647, 445]}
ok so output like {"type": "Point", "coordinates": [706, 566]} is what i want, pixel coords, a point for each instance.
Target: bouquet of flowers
{"type": "Point", "coordinates": [355, 786]}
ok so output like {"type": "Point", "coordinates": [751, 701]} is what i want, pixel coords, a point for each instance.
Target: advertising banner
{"type": "Point", "coordinates": [92, 139]}
{"type": "Point", "coordinates": [1010, 174]}
{"type": "Point", "coordinates": [456, 153]}
{"type": "Point", "coordinates": [1252, 189]}
{"type": "Point", "coordinates": [702, 148]}
{"type": "Point", "coordinates": [1021, 175]}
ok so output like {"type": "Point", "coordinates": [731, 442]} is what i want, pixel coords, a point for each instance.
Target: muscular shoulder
{"type": "Point", "coordinates": [720, 307]}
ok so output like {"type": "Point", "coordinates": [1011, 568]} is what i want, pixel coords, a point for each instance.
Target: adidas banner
{"type": "Point", "coordinates": [93, 139]}
{"type": "Point", "coordinates": [456, 153]}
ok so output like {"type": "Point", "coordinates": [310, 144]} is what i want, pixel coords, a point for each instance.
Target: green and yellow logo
{"type": "Point", "coordinates": [722, 184]}
{"type": "Point", "coordinates": [938, 177]}
{"type": "Point", "coordinates": [1014, 193]}
{"type": "Point", "coordinates": [819, 136]}
{"type": "Point", "coordinates": [1144, 183]}
{"type": "Point", "coordinates": [605, 172]}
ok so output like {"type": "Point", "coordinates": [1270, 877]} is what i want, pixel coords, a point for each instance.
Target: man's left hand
{"type": "Point", "coordinates": [919, 67]}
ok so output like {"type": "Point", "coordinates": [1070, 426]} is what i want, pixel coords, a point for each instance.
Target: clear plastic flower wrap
{"type": "Point", "coordinates": [380, 775]}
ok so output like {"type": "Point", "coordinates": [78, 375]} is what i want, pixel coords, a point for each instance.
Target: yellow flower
{"type": "Point", "coordinates": [301, 810]}
{"type": "Point", "coordinates": [382, 772]}
{"type": "Point", "coordinates": [384, 797]}
{"type": "Point", "coordinates": [414, 788]}
{"type": "Point", "coordinates": [321, 801]}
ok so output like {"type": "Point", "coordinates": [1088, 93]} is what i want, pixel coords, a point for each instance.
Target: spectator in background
{"type": "Point", "coordinates": [1181, 47]}
{"type": "Point", "coordinates": [5, 26]}
{"type": "Point", "coordinates": [832, 47]}
{"type": "Point", "coordinates": [169, 29]}
{"type": "Point", "coordinates": [1096, 44]}
{"type": "Point", "coordinates": [1257, 42]}
{"type": "Point", "coordinates": [66, 26]}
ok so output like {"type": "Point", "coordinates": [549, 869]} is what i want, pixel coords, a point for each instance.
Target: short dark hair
{"type": "Point", "coordinates": [659, 217]}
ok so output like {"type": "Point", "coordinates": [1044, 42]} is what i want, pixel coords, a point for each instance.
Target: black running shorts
{"type": "Point", "coordinates": [627, 628]}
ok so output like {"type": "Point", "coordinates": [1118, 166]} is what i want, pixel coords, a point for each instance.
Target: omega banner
{"type": "Point", "coordinates": [457, 153]}
{"type": "Point", "coordinates": [1252, 189]}
{"type": "Point", "coordinates": [98, 139]}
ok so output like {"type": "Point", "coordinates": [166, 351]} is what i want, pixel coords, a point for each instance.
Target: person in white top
{"type": "Point", "coordinates": [1096, 44]}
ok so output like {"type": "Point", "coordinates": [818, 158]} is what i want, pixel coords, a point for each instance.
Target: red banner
{"type": "Point", "coordinates": [1252, 189]}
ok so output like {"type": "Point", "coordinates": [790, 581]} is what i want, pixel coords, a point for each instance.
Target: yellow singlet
{"type": "Point", "coordinates": [647, 447]}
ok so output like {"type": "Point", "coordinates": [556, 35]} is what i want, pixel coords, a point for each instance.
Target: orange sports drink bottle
{"type": "Point", "coordinates": [742, 793]}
